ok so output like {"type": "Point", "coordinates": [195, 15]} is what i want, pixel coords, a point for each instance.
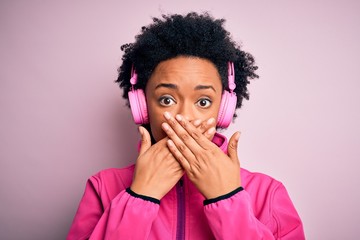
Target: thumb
{"type": "Point", "coordinates": [145, 140]}
{"type": "Point", "coordinates": [233, 145]}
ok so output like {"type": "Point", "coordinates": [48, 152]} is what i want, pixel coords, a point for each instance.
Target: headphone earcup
{"type": "Point", "coordinates": [227, 109]}
{"type": "Point", "coordinates": [138, 106]}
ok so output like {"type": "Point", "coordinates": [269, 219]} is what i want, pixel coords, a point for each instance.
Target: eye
{"type": "Point", "coordinates": [166, 101]}
{"type": "Point", "coordinates": [204, 103]}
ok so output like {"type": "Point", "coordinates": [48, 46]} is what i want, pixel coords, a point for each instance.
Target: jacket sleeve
{"type": "Point", "coordinates": [234, 218]}
{"type": "Point", "coordinates": [126, 217]}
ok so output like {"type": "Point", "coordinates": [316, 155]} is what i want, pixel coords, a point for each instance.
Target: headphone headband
{"type": "Point", "coordinates": [231, 76]}
{"type": "Point", "coordinates": [133, 79]}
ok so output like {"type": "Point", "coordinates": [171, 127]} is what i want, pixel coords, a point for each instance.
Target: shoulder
{"type": "Point", "coordinates": [117, 178]}
{"type": "Point", "coordinates": [258, 184]}
{"type": "Point", "coordinates": [249, 177]}
{"type": "Point", "coordinates": [104, 186]}
{"type": "Point", "coordinates": [115, 172]}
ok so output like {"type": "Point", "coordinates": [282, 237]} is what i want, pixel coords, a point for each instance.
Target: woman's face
{"type": "Point", "coordinates": [183, 85]}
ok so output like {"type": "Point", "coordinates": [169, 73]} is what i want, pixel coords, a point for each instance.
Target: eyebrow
{"type": "Point", "coordinates": [199, 87]}
{"type": "Point", "coordinates": [166, 85]}
{"type": "Point", "coordinates": [173, 86]}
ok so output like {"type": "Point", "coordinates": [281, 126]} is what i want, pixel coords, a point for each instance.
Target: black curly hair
{"type": "Point", "coordinates": [192, 35]}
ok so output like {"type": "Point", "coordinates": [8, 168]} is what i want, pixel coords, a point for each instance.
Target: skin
{"type": "Point", "coordinates": [183, 96]}
{"type": "Point", "coordinates": [189, 86]}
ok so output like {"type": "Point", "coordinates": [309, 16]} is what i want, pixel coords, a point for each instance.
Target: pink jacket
{"type": "Point", "coordinates": [263, 210]}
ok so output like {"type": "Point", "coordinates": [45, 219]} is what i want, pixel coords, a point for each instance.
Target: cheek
{"type": "Point", "coordinates": [215, 109]}
{"type": "Point", "coordinates": [156, 119]}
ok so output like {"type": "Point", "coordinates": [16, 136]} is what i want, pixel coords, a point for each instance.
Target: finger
{"type": "Point", "coordinates": [197, 122]}
{"type": "Point", "coordinates": [178, 156]}
{"type": "Point", "coordinates": [233, 145]}
{"type": "Point", "coordinates": [179, 143]}
{"type": "Point", "coordinates": [180, 135]}
{"type": "Point", "coordinates": [176, 132]}
{"type": "Point", "coordinates": [210, 130]}
{"type": "Point", "coordinates": [203, 126]}
{"type": "Point", "coordinates": [145, 140]}
{"type": "Point", "coordinates": [196, 137]}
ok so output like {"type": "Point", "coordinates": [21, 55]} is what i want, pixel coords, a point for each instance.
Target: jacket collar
{"type": "Point", "coordinates": [221, 141]}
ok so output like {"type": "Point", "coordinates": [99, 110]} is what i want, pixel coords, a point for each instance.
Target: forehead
{"type": "Point", "coordinates": [185, 71]}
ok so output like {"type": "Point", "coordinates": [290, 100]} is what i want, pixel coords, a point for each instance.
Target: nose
{"type": "Point", "coordinates": [187, 111]}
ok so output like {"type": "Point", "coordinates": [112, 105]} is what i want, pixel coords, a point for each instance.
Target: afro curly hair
{"type": "Point", "coordinates": [190, 35]}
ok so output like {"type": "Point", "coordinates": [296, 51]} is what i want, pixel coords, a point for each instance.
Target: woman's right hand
{"type": "Point", "coordinates": [156, 170]}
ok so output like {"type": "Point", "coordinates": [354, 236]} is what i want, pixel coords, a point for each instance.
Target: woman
{"type": "Point", "coordinates": [184, 77]}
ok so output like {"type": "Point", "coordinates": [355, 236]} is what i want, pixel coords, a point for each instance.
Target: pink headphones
{"type": "Point", "coordinates": [139, 111]}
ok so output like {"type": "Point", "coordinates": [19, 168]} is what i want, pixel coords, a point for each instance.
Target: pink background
{"type": "Point", "coordinates": [63, 119]}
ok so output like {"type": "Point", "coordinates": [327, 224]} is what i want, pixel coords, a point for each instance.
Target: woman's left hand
{"type": "Point", "coordinates": [212, 171]}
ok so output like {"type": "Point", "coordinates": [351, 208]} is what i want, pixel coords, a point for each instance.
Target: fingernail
{"type": "Point", "coordinates": [210, 121]}
{"type": "Point", "coordinates": [178, 117]}
{"type": "Point", "coordinates": [237, 136]}
{"type": "Point", "coordinates": [167, 115]}
{"type": "Point", "coordinates": [197, 122]}
{"type": "Point", "coordinates": [211, 131]}
{"type": "Point", "coordinates": [141, 131]}
{"type": "Point", "coordinates": [165, 126]}
{"type": "Point", "coordinates": [170, 143]}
